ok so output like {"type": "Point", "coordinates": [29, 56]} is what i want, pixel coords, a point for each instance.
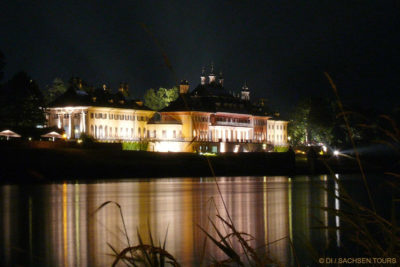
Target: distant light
{"type": "Point", "coordinates": [324, 148]}
{"type": "Point", "coordinates": [64, 136]}
{"type": "Point", "coordinates": [289, 138]}
{"type": "Point", "coordinates": [30, 138]}
{"type": "Point", "coordinates": [79, 141]}
{"type": "Point", "coordinates": [336, 153]}
{"type": "Point", "coordinates": [236, 148]}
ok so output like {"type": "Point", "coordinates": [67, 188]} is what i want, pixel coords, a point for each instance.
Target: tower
{"type": "Point", "coordinates": [184, 87]}
{"type": "Point", "coordinates": [245, 92]}
{"type": "Point", "coordinates": [211, 76]}
{"type": "Point", "coordinates": [203, 77]}
{"type": "Point", "coordinates": [221, 79]}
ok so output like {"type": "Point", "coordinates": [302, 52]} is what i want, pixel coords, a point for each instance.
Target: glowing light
{"type": "Point", "coordinates": [64, 136]}
{"type": "Point", "coordinates": [336, 153]}
{"type": "Point", "coordinates": [79, 141]}
{"type": "Point", "coordinates": [30, 138]}
{"type": "Point", "coordinates": [222, 147]}
{"type": "Point", "coordinates": [236, 149]}
{"type": "Point", "coordinates": [324, 148]}
{"type": "Point", "coordinates": [289, 138]}
{"type": "Point", "coordinates": [167, 146]}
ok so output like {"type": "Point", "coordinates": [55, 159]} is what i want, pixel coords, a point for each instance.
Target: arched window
{"type": "Point", "coordinates": [139, 133]}
{"type": "Point", "coordinates": [106, 131]}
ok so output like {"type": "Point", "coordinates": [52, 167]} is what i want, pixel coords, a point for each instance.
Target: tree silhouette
{"type": "Point", "coordinates": [22, 103]}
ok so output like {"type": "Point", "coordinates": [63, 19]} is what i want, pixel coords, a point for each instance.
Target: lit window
{"type": "Point", "coordinates": [164, 134]}
{"type": "Point", "coordinates": [174, 134]}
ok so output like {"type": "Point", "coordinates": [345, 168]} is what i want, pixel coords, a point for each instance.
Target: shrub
{"type": "Point", "coordinates": [142, 146]}
{"type": "Point", "coordinates": [281, 148]}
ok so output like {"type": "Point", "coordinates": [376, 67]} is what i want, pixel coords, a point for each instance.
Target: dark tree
{"type": "Point", "coordinates": [2, 64]}
{"type": "Point", "coordinates": [312, 122]}
{"type": "Point", "coordinates": [22, 103]}
{"type": "Point", "coordinates": [57, 88]}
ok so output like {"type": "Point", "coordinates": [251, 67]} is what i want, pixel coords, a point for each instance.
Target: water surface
{"type": "Point", "coordinates": [56, 224]}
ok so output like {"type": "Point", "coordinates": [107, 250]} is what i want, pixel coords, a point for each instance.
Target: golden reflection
{"type": "Point", "coordinates": [77, 231]}
{"type": "Point", "coordinates": [65, 225]}
{"type": "Point", "coordinates": [272, 209]}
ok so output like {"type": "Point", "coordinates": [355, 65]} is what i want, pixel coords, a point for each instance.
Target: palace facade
{"type": "Point", "coordinates": [206, 119]}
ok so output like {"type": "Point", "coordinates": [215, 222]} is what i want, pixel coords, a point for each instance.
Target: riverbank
{"type": "Point", "coordinates": [26, 164]}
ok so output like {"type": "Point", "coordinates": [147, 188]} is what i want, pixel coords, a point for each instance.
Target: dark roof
{"type": "Point", "coordinates": [210, 89]}
{"type": "Point", "coordinates": [99, 98]}
{"type": "Point", "coordinates": [213, 97]}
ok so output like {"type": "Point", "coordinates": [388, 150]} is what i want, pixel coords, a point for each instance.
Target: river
{"type": "Point", "coordinates": [57, 224]}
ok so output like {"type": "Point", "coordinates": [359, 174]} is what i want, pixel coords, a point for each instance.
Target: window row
{"type": "Point", "coordinates": [100, 132]}
{"type": "Point", "coordinates": [200, 118]}
{"type": "Point", "coordinates": [236, 120]}
{"type": "Point", "coordinates": [279, 137]}
{"type": "Point", "coordinates": [259, 122]}
{"type": "Point", "coordinates": [66, 116]}
{"type": "Point", "coordinates": [111, 116]}
{"type": "Point", "coordinates": [278, 127]}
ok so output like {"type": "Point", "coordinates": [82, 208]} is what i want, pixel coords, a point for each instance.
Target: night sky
{"type": "Point", "coordinates": [281, 48]}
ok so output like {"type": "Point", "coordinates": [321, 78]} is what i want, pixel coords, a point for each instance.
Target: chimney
{"type": "Point", "coordinates": [184, 87]}
{"type": "Point", "coordinates": [124, 88]}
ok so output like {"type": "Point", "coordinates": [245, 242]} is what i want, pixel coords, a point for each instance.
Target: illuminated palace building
{"type": "Point", "coordinates": [206, 119]}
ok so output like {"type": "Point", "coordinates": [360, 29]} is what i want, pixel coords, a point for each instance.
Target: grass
{"type": "Point", "coordinates": [371, 233]}
{"type": "Point", "coordinates": [141, 254]}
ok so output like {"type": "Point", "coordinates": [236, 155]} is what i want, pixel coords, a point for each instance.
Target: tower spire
{"type": "Point", "coordinates": [221, 79]}
{"type": "Point", "coordinates": [211, 76]}
{"type": "Point", "coordinates": [203, 76]}
{"type": "Point", "coordinates": [245, 92]}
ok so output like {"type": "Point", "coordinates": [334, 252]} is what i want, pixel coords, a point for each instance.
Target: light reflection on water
{"type": "Point", "coordinates": [56, 224]}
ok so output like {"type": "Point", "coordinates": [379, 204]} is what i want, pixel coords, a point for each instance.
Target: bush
{"type": "Point", "coordinates": [135, 146]}
{"type": "Point", "coordinates": [281, 148]}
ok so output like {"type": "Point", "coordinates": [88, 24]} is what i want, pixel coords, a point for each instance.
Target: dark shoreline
{"type": "Point", "coordinates": [22, 164]}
